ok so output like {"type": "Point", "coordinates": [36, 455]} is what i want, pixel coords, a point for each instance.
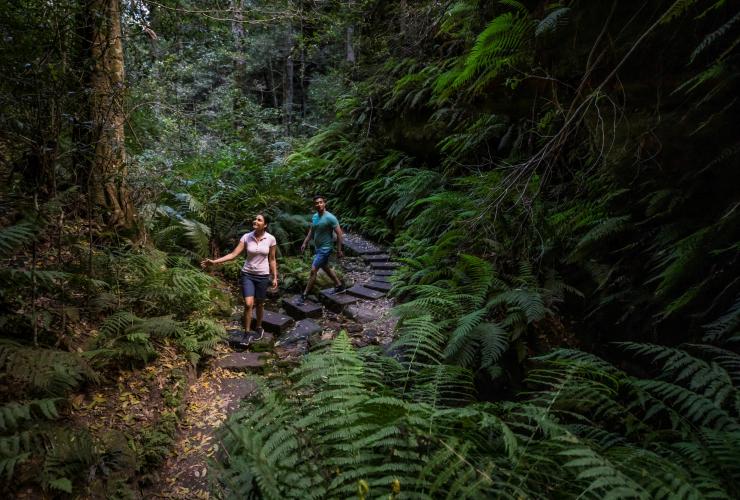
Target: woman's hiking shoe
{"type": "Point", "coordinates": [301, 300]}
{"type": "Point", "coordinates": [259, 332]}
{"type": "Point", "coordinates": [339, 288]}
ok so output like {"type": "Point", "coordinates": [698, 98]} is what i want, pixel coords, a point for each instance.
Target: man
{"type": "Point", "coordinates": [323, 226]}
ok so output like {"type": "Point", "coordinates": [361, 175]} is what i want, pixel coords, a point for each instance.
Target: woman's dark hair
{"type": "Point", "coordinates": [317, 196]}
{"type": "Point", "coordinates": [264, 217]}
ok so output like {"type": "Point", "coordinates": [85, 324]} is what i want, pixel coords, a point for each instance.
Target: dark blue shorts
{"type": "Point", "coordinates": [321, 258]}
{"type": "Point", "coordinates": [255, 285]}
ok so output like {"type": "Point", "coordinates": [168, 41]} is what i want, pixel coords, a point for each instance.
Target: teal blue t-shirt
{"type": "Point", "coordinates": [323, 229]}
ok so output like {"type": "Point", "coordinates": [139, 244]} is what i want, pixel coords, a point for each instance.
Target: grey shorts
{"type": "Point", "coordinates": [255, 285]}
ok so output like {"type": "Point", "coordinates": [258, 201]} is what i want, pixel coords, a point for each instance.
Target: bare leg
{"type": "Point", "coordinates": [248, 304]}
{"type": "Point", "coordinates": [332, 275]}
{"type": "Point", "coordinates": [259, 314]}
{"type": "Point", "coordinates": [311, 280]}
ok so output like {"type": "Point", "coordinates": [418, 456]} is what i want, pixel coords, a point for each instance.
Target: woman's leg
{"type": "Point", "coordinates": [248, 294]}
{"type": "Point", "coordinates": [259, 314]}
{"type": "Point", "coordinates": [248, 305]}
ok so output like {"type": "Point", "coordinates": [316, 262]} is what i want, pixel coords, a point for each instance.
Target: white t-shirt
{"type": "Point", "coordinates": [257, 253]}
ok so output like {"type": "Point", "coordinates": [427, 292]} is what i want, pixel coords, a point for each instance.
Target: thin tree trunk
{"type": "Point", "coordinates": [108, 179]}
{"type": "Point", "coordinates": [302, 71]}
{"type": "Point", "coordinates": [349, 42]}
{"type": "Point", "coordinates": [237, 31]}
{"type": "Point", "coordinates": [273, 91]}
{"type": "Point", "coordinates": [288, 82]}
{"type": "Point", "coordinates": [350, 47]}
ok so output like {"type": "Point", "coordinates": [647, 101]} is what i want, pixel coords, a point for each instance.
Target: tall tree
{"type": "Point", "coordinates": [288, 79]}
{"type": "Point", "coordinates": [107, 179]}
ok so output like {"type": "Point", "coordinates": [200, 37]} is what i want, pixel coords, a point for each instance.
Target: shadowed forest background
{"type": "Point", "coordinates": [559, 179]}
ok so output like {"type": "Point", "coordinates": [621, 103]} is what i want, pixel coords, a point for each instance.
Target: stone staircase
{"type": "Point", "coordinates": [293, 329]}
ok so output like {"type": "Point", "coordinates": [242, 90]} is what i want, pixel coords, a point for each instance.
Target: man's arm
{"type": "Point", "coordinates": [340, 236]}
{"type": "Point", "coordinates": [306, 240]}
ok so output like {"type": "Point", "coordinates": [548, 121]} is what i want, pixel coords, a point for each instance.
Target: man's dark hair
{"type": "Point", "coordinates": [317, 196]}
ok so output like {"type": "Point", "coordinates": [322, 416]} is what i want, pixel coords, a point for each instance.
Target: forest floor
{"type": "Point", "coordinates": [217, 392]}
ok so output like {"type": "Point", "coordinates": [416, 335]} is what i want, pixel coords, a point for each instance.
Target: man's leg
{"type": "Point", "coordinates": [311, 280]}
{"type": "Point", "coordinates": [329, 271]}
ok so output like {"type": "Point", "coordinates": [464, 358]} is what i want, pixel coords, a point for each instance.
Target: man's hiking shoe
{"type": "Point", "coordinates": [301, 300]}
{"type": "Point", "coordinates": [259, 332]}
{"type": "Point", "coordinates": [339, 288]}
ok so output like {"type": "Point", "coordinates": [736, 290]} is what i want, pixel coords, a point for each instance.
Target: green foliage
{"type": "Point", "coordinates": [587, 429]}
{"type": "Point", "coordinates": [48, 371]}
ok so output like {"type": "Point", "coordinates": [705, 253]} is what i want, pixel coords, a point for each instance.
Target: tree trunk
{"type": "Point", "coordinates": [350, 47]}
{"type": "Point", "coordinates": [240, 63]}
{"type": "Point", "coordinates": [108, 172]}
{"type": "Point", "coordinates": [273, 90]}
{"type": "Point", "coordinates": [288, 82]}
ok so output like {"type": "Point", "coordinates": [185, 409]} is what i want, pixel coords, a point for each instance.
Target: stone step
{"type": "Point", "coordinates": [234, 390]}
{"type": "Point", "coordinates": [242, 361]}
{"type": "Point", "coordinates": [383, 272]}
{"type": "Point", "coordinates": [360, 246]}
{"type": "Point", "coordinates": [336, 301]}
{"type": "Point", "coordinates": [381, 278]}
{"type": "Point", "coordinates": [302, 330]}
{"type": "Point", "coordinates": [381, 286]}
{"type": "Point", "coordinates": [239, 341]}
{"type": "Point", "coordinates": [236, 338]}
{"type": "Point", "coordinates": [384, 266]}
{"type": "Point", "coordinates": [380, 257]}
{"type": "Point", "coordinates": [309, 309]}
{"type": "Point", "coordinates": [364, 293]}
{"type": "Point", "coordinates": [274, 322]}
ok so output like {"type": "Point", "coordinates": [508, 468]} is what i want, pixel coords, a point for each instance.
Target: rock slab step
{"type": "Point", "coordinates": [384, 266]}
{"type": "Point", "coordinates": [381, 286]}
{"type": "Point", "coordinates": [382, 278]}
{"type": "Point", "coordinates": [336, 301]}
{"type": "Point", "coordinates": [364, 293]}
{"type": "Point", "coordinates": [242, 361]}
{"type": "Point", "coordinates": [302, 330]}
{"type": "Point", "coordinates": [383, 272]}
{"type": "Point", "coordinates": [360, 246]}
{"type": "Point", "coordinates": [274, 322]}
{"type": "Point", "coordinates": [380, 257]}
{"type": "Point", "coordinates": [309, 309]}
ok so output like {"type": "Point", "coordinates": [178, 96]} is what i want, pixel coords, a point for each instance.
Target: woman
{"type": "Point", "coordinates": [261, 262]}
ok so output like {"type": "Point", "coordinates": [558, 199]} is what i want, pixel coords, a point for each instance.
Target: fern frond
{"type": "Point", "coordinates": [15, 236]}
{"type": "Point", "coordinates": [714, 36]}
{"type": "Point", "coordinates": [49, 370]}
{"type": "Point", "coordinates": [553, 21]}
